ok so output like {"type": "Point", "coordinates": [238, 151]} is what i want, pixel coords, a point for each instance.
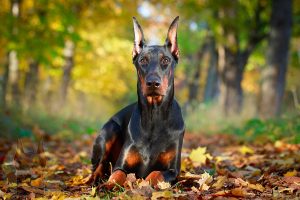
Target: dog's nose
{"type": "Point", "coordinates": [153, 82]}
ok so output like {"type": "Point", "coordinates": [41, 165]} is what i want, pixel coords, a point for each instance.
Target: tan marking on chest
{"type": "Point", "coordinates": [133, 158]}
{"type": "Point", "coordinates": [166, 158]}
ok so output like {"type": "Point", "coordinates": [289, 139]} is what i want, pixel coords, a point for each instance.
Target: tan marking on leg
{"type": "Point", "coordinates": [155, 177]}
{"type": "Point", "coordinates": [118, 177]}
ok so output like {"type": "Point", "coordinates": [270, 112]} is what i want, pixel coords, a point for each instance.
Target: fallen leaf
{"type": "Point", "coordinates": [37, 182]}
{"type": "Point", "coordinates": [163, 185]}
{"type": "Point", "coordinates": [204, 181]}
{"type": "Point", "coordinates": [93, 191]}
{"type": "Point", "coordinates": [238, 192]}
{"type": "Point", "coordinates": [196, 190]}
{"type": "Point", "coordinates": [189, 175]}
{"type": "Point", "coordinates": [33, 190]}
{"type": "Point", "coordinates": [143, 183]}
{"type": "Point", "coordinates": [289, 190]}
{"type": "Point", "coordinates": [292, 179]}
{"type": "Point", "coordinates": [1, 193]}
{"type": "Point", "coordinates": [290, 173]}
{"type": "Point", "coordinates": [220, 182]}
{"type": "Point", "coordinates": [246, 150]}
{"type": "Point", "coordinates": [199, 156]}
{"type": "Point", "coordinates": [131, 177]}
{"type": "Point", "coordinates": [222, 158]}
{"type": "Point", "coordinates": [283, 162]}
{"type": "Point", "coordinates": [257, 187]}
{"type": "Point", "coordinates": [243, 183]}
{"type": "Point", "coordinates": [161, 194]}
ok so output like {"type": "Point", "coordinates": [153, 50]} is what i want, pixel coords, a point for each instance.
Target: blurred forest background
{"type": "Point", "coordinates": [65, 65]}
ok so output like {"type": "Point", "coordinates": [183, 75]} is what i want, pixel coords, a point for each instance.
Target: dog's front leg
{"type": "Point", "coordinates": [173, 170]}
{"type": "Point", "coordinates": [158, 176]}
{"type": "Point", "coordinates": [104, 150]}
{"type": "Point", "coordinates": [117, 178]}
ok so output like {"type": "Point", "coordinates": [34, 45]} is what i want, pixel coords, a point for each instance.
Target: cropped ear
{"type": "Point", "coordinates": [139, 40]}
{"type": "Point", "coordinates": [171, 41]}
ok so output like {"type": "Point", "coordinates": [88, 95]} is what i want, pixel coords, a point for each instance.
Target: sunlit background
{"type": "Point", "coordinates": [66, 65]}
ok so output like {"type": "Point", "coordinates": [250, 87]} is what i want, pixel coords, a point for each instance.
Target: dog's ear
{"type": "Point", "coordinates": [171, 41]}
{"type": "Point", "coordinates": [139, 40]}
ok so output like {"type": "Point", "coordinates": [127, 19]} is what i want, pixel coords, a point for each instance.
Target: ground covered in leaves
{"type": "Point", "coordinates": [213, 167]}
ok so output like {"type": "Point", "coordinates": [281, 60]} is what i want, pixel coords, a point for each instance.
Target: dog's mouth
{"type": "Point", "coordinates": [154, 96]}
{"type": "Point", "coordinates": [154, 99]}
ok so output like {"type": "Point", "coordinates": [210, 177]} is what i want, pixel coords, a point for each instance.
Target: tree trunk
{"type": "Point", "coordinates": [194, 83]}
{"type": "Point", "coordinates": [273, 77]}
{"type": "Point", "coordinates": [69, 64]}
{"type": "Point", "coordinates": [212, 86]}
{"type": "Point", "coordinates": [231, 71]}
{"type": "Point", "coordinates": [13, 73]}
{"type": "Point", "coordinates": [31, 83]}
{"type": "Point", "coordinates": [14, 77]}
{"type": "Point", "coordinates": [231, 93]}
{"type": "Point", "coordinates": [4, 83]}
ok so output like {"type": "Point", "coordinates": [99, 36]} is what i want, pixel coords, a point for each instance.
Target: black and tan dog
{"type": "Point", "coordinates": [144, 138]}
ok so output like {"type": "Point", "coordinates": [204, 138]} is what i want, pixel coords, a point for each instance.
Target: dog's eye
{"type": "Point", "coordinates": [165, 61]}
{"type": "Point", "coordinates": [143, 61]}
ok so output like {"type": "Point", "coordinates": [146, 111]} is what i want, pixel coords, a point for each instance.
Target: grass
{"type": "Point", "coordinates": [206, 118]}
{"type": "Point", "coordinates": [203, 118]}
{"type": "Point", "coordinates": [15, 124]}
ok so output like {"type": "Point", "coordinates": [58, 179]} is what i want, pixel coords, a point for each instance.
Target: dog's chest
{"type": "Point", "coordinates": [143, 157]}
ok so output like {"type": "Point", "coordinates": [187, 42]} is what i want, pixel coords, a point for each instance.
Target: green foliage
{"type": "Point", "coordinates": [207, 118]}
{"type": "Point", "coordinates": [17, 125]}
{"type": "Point", "coordinates": [273, 129]}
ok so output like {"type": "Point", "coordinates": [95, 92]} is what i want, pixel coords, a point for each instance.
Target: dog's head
{"type": "Point", "coordinates": [155, 64]}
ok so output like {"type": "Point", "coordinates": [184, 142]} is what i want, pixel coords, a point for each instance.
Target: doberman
{"type": "Point", "coordinates": [146, 137]}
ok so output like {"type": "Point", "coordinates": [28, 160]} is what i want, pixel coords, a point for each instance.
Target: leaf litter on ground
{"type": "Point", "coordinates": [214, 166]}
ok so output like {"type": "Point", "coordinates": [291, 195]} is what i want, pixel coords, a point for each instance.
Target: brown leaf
{"type": "Point", "coordinates": [37, 182]}
{"type": "Point", "coordinates": [33, 190]}
{"type": "Point", "coordinates": [238, 192]}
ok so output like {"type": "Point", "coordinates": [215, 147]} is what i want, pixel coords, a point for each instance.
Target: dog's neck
{"type": "Point", "coordinates": [154, 112]}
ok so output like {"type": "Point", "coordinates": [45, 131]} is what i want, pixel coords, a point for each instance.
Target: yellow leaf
{"type": "Point", "coordinates": [143, 183]}
{"type": "Point", "coordinates": [204, 187]}
{"type": "Point", "coordinates": [163, 185]}
{"type": "Point", "coordinates": [257, 187]}
{"type": "Point", "coordinates": [192, 176]}
{"type": "Point", "coordinates": [290, 173]}
{"type": "Point", "coordinates": [194, 189]}
{"type": "Point", "coordinates": [222, 158]}
{"type": "Point", "coordinates": [278, 144]}
{"type": "Point", "coordinates": [204, 180]}
{"type": "Point", "coordinates": [220, 182]}
{"type": "Point", "coordinates": [162, 194]}
{"type": "Point", "coordinates": [93, 191]}
{"type": "Point", "coordinates": [243, 183]}
{"type": "Point", "coordinates": [199, 156]}
{"type": "Point", "coordinates": [246, 150]}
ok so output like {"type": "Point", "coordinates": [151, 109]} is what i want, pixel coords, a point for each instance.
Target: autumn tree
{"type": "Point", "coordinates": [273, 78]}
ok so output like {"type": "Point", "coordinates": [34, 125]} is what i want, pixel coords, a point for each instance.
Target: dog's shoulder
{"type": "Point", "coordinates": [122, 117]}
{"type": "Point", "coordinates": [175, 117]}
